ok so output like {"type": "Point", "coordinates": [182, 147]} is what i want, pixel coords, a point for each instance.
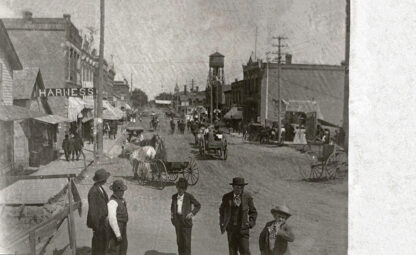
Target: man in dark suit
{"type": "Point", "coordinates": [237, 216]}
{"type": "Point", "coordinates": [181, 216]}
{"type": "Point", "coordinates": [97, 213]}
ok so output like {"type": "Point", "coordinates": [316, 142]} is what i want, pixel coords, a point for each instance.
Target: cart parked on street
{"type": "Point", "coordinates": [214, 145]}
{"type": "Point", "coordinates": [327, 161]}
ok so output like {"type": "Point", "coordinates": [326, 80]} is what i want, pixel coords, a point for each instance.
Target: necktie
{"type": "Point", "coordinates": [237, 200]}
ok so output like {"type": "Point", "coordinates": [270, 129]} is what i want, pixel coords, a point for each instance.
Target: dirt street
{"type": "Point", "coordinates": [319, 209]}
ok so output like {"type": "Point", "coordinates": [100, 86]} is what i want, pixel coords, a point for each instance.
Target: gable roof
{"type": "Point", "coordinates": [24, 82]}
{"type": "Point", "coordinates": [7, 45]}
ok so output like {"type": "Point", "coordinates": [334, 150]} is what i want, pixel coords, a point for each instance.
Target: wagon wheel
{"type": "Point", "coordinates": [191, 172]}
{"type": "Point", "coordinates": [337, 162]}
{"type": "Point", "coordinates": [160, 172]}
{"type": "Point", "coordinates": [317, 172]}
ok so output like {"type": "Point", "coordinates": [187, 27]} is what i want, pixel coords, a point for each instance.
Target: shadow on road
{"type": "Point", "coordinates": [153, 252]}
{"type": "Point", "coordinates": [150, 184]}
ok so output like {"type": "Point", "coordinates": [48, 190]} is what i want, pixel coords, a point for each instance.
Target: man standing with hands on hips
{"type": "Point", "coordinates": [237, 216]}
{"type": "Point", "coordinates": [181, 216]}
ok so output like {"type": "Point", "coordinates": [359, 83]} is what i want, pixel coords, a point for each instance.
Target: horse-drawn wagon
{"type": "Point", "coordinates": [213, 144]}
{"type": "Point", "coordinates": [149, 162]}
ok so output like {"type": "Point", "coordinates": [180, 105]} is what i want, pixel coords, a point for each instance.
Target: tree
{"type": "Point", "coordinates": [138, 98]}
{"type": "Point", "coordinates": [164, 96]}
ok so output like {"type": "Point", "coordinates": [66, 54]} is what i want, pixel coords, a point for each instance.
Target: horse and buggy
{"type": "Point", "coordinates": [148, 159]}
{"type": "Point", "coordinates": [211, 142]}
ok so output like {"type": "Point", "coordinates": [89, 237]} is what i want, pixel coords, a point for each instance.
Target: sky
{"type": "Point", "coordinates": [161, 42]}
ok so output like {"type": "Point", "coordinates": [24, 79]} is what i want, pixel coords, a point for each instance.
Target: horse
{"type": "Point", "coordinates": [141, 157]}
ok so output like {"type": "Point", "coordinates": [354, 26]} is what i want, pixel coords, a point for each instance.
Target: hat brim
{"type": "Point", "coordinates": [240, 184]}
{"type": "Point", "coordinates": [273, 211]}
{"type": "Point", "coordinates": [123, 188]}
{"type": "Point", "coordinates": [104, 178]}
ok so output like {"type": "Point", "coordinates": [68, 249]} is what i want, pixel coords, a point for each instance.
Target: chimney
{"type": "Point", "coordinates": [67, 17]}
{"type": "Point", "coordinates": [196, 88]}
{"type": "Point", "coordinates": [27, 15]}
{"type": "Point", "coordinates": [184, 89]}
{"type": "Point", "coordinates": [288, 59]}
{"type": "Point", "coordinates": [235, 80]}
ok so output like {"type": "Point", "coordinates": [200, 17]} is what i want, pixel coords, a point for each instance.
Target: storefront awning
{"type": "Point", "coordinates": [305, 106]}
{"type": "Point", "coordinates": [12, 112]}
{"type": "Point", "coordinates": [52, 119]}
{"type": "Point", "coordinates": [234, 114]}
{"type": "Point", "coordinates": [110, 112]}
{"type": "Point", "coordinates": [75, 106]}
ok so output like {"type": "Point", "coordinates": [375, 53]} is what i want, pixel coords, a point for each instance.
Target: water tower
{"type": "Point", "coordinates": [215, 81]}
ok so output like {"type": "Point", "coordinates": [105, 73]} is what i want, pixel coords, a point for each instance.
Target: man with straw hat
{"type": "Point", "coordinates": [182, 214]}
{"type": "Point", "coordinates": [97, 212]}
{"type": "Point", "coordinates": [276, 234]}
{"type": "Point", "coordinates": [237, 215]}
{"type": "Point", "coordinates": [117, 218]}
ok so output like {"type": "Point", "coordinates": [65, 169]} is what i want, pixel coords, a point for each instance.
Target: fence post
{"type": "Point", "coordinates": [71, 223]}
{"type": "Point", "coordinates": [32, 242]}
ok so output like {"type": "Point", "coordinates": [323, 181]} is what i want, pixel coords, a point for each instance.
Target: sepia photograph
{"type": "Point", "coordinates": [159, 127]}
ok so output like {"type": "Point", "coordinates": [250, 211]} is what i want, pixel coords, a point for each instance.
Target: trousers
{"type": "Point", "coordinates": [238, 243]}
{"type": "Point", "coordinates": [119, 248]}
{"type": "Point", "coordinates": [99, 242]}
{"type": "Point", "coordinates": [183, 238]}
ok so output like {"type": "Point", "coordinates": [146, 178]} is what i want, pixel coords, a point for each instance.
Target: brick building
{"type": "Point", "coordinates": [122, 89]}
{"type": "Point", "coordinates": [321, 83]}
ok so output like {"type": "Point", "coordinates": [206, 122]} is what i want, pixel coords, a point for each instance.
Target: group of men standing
{"type": "Point", "coordinates": [72, 146]}
{"type": "Point", "coordinates": [108, 218]}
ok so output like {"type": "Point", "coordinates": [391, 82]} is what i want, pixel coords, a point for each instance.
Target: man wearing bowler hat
{"type": "Point", "coordinates": [97, 212]}
{"type": "Point", "coordinates": [276, 234]}
{"type": "Point", "coordinates": [181, 216]}
{"type": "Point", "coordinates": [118, 217]}
{"type": "Point", "coordinates": [237, 216]}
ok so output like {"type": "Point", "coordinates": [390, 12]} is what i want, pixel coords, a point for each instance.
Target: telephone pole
{"type": "Point", "coordinates": [100, 84]}
{"type": "Point", "coordinates": [279, 62]}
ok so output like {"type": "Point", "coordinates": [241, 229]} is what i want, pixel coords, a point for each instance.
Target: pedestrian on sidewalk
{"type": "Point", "coordinates": [118, 217]}
{"type": "Point", "coordinates": [182, 214]}
{"type": "Point", "coordinates": [237, 216]}
{"type": "Point", "coordinates": [97, 213]}
{"type": "Point", "coordinates": [72, 147]}
{"type": "Point", "coordinates": [276, 234]}
{"type": "Point", "coordinates": [66, 147]}
{"type": "Point", "coordinates": [78, 145]}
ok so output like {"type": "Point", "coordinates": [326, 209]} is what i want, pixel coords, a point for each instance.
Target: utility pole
{"type": "Point", "coordinates": [279, 62]}
{"type": "Point", "coordinates": [100, 84]}
{"type": "Point", "coordinates": [255, 45]}
{"type": "Point", "coordinates": [266, 115]}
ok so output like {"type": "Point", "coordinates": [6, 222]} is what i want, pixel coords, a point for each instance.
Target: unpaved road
{"type": "Point", "coordinates": [319, 209]}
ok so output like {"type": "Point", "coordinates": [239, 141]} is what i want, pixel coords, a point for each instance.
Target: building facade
{"type": "Point", "coordinates": [9, 62]}
{"type": "Point", "coordinates": [321, 83]}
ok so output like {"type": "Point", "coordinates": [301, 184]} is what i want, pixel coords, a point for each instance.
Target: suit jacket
{"type": "Point", "coordinates": [188, 201]}
{"type": "Point", "coordinates": [284, 236]}
{"type": "Point", "coordinates": [249, 212]}
{"type": "Point", "coordinates": [97, 208]}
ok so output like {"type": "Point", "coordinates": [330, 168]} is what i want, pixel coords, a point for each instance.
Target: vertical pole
{"type": "Point", "coordinates": [346, 81]}
{"type": "Point", "coordinates": [100, 84]}
{"type": "Point", "coordinates": [278, 89]}
{"type": "Point", "coordinates": [211, 97]}
{"type": "Point", "coordinates": [267, 92]}
{"type": "Point", "coordinates": [71, 223]}
{"type": "Point", "coordinates": [32, 242]}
